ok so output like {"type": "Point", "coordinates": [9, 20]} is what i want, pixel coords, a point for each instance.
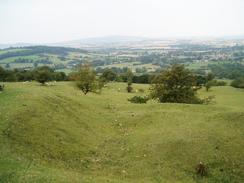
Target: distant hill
{"type": "Point", "coordinates": [30, 56]}
{"type": "Point", "coordinates": [31, 50]}
{"type": "Point", "coordinates": [83, 42]}
{"type": "Point", "coordinates": [100, 41]}
{"type": "Point", "coordinates": [4, 46]}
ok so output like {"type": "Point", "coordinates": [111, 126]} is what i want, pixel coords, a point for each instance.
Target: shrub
{"type": "Point", "coordinates": [141, 90]}
{"type": "Point", "coordinates": [238, 83]}
{"type": "Point", "coordinates": [211, 83]}
{"type": "Point", "coordinates": [108, 75]}
{"type": "Point", "coordinates": [139, 99]}
{"type": "Point", "coordinates": [201, 169]}
{"type": "Point", "coordinates": [129, 88]}
{"type": "Point", "coordinates": [2, 87]}
{"type": "Point", "coordinates": [220, 83]}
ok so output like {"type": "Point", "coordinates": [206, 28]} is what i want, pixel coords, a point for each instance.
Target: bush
{"type": "Point", "coordinates": [108, 75]}
{"type": "Point", "coordinates": [129, 88]}
{"type": "Point", "coordinates": [211, 83]}
{"type": "Point", "coordinates": [139, 99]}
{"type": "Point", "coordinates": [1, 87]}
{"type": "Point", "coordinates": [218, 83]}
{"type": "Point", "coordinates": [238, 83]}
{"type": "Point", "coordinates": [141, 90]}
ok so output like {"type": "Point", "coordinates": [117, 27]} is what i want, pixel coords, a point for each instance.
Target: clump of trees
{"type": "Point", "coordinates": [175, 85]}
{"type": "Point", "coordinates": [228, 70]}
{"type": "Point", "coordinates": [86, 80]}
{"type": "Point", "coordinates": [238, 83]}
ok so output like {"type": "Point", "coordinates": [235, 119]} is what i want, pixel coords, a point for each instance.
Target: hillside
{"type": "Point", "coordinates": [57, 134]}
{"type": "Point", "coordinates": [32, 56]}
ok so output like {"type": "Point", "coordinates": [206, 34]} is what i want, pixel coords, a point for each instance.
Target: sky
{"type": "Point", "coordinates": [50, 21]}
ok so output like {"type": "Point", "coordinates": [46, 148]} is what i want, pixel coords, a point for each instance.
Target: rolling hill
{"type": "Point", "coordinates": [56, 134]}
{"type": "Point", "coordinates": [29, 57]}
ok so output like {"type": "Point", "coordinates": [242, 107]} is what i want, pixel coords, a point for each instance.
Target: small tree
{"type": "Point", "coordinates": [129, 77]}
{"type": "Point", "coordinates": [86, 79]}
{"type": "Point", "coordinates": [43, 74]}
{"type": "Point", "coordinates": [108, 75]}
{"type": "Point", "coordinates": [35, 65]}
{"type": "Point", "coordinates": [175, 85]}
{"type": "Point", "coordinates": [7, 66]}
{"type": "Point", "coordinates": [59, 76]}
{"type": "Point", "coordinates": [209, 78]}
{"type": "Point", "coordinates": [208, 85]}
{"type": "Point", "coordinates": [3, 74]}
{"type": "Point", "coordinates": [129, 87]}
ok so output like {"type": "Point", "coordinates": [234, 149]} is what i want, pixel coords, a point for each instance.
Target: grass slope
{"type": "Point", "coordinates": [56, 134]}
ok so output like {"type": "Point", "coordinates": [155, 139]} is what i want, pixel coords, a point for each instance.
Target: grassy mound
{"type": "Point", "coordinates": [57, 134]}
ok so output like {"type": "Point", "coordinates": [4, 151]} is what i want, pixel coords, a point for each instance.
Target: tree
{"type": "Point", "coordinates": [43, 74]}
{"type": "Point", "coordinates": [86, 79]}
{"type": "Point", "coordinates": [208, 85]}
{"type": "Point", "coordinates": [7, 66]}
{"type": "Point", "coordinates": [129, 76]}
{"type": "Point", "coordinates": [175, 85]}
{"type": "Point", "coordinates": [129, 87]}
{"type": "Point", "coordinates": [59, 76]}
{"type": "Point", "coordinates": [209, 79]}
{"type": "Point", "coordinates": [210, 76]}
{"type": "Point", "coordinates": [35, 64]}
{"type": "Point", "coordinates": [108, 75]}
{"type": "Point", "coordinates": [2, 74]}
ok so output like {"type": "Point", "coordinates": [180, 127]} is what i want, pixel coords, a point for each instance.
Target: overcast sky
{"type": "Point", "coordinates": [45, 21]}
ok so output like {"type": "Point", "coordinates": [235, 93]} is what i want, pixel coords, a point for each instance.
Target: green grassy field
{"type": "Point", "coordinates": [56, 134]}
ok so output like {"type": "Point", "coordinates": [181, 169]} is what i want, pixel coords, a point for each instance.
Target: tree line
{"type": "Point", "coordinates": [43, 74]}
